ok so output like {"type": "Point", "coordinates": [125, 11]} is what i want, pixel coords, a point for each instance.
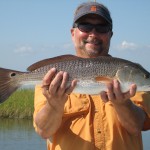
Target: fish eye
{"type": "Point", "coordinates": [13, 74]}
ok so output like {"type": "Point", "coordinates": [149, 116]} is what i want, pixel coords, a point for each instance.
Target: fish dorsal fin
{"type": "Point", "coordinates": [50, 61]}
{"type": "Point", "coordinates": [103, 79]}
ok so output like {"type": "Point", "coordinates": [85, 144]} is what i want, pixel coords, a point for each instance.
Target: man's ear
{"type": "Point", "coordinates": [72, 33]}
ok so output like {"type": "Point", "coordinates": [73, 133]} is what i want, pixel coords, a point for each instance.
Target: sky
{"type": "Point", "coordinates": [32, 30]}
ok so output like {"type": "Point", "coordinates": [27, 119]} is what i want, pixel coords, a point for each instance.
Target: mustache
{"type": "Point", "coordinates": [94, 41]}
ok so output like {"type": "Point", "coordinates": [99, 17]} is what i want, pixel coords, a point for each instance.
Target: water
{"type": "Point", "coordinates": [20, 135]}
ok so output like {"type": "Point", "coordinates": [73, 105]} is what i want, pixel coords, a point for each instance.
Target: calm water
{"type": "Point", "coordinates": [20, 135]}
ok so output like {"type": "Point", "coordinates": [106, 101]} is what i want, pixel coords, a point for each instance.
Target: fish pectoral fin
{"type": "Point", "coordinates": [103, 79]}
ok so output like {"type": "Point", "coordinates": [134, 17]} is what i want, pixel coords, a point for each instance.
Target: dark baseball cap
{"type": "Point", "coordinates": [92, 8]}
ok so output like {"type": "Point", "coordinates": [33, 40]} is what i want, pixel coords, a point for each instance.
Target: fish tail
{"type": "Point", "coordinates": [8, 83]}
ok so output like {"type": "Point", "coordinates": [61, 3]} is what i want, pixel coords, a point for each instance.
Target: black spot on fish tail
{"type": "Point", "coordinates": [8, 83]}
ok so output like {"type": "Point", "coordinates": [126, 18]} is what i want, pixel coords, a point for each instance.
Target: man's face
{"type": "Point", "coordinates": [91, 44]}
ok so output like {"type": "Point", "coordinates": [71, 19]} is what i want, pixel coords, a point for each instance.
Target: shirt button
{"type": "Point", "coordinates": [98, 131]}
{"type": "Point", "coordinates": [96, 111]}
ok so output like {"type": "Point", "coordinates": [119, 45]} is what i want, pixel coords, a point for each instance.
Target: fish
{"type": "Point", "coordinates": [92, 74]}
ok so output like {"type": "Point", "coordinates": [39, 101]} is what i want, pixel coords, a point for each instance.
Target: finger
{"type": "Point", "coordinates": [48, 77]}
{"type": "Point", "coordinates": [104, 96]}
{"type": "Point", "coordinates": [64, 82]}
{"type": "Point", "coordinates": [71, 87]}
{"type": "Point", "coordinates": [46, 81]}
{"type": "Point", "coordinates": [110, 91]}
{"type": "Point", "coordinates": [56, 82]}
{"type": "Point", "coordinates": [45, 92]}
{"type": "Point", "coordinates": [117, 89]}
{"type": "Point", "coordinates": [133, 90]}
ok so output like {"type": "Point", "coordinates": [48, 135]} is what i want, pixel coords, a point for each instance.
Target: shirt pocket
{"type": "Point", "coordinates": [77, 104]}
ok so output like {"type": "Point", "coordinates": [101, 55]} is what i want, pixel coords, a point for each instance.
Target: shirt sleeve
{"type": "Point", "coordinates": [142, 99]}
{"type": "Point", "coordinates": [39, 102]}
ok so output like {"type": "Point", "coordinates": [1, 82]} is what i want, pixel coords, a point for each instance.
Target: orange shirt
{"type": "Point", "coordinates": [90, 124]}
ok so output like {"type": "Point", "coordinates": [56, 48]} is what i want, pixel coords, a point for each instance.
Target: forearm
{"type": "Point", "coordinates": [130, 116]}
{"type": "Point", "coordinates": [48, 121]}
{"type": "Point", "coordinates": [55, 89]}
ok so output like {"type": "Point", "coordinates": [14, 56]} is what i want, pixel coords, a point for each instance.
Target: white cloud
{"type": "Point", "coordinates": [127, 46]}
{"type": "Point", "coordinates": [24, 49]}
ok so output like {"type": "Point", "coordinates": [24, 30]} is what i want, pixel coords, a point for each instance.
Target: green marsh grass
{"type": "Point", "coordinates": [18, 105]}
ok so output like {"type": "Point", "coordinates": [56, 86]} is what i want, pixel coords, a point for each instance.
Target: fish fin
{"type": "Point", "coordinates": [50, 61]}
{"type": "Point", "coordinates": [8, 83]}
{"type": "Point", "coordinates": [103, 79]}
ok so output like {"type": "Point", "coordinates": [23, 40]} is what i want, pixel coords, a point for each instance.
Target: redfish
{"type": "Point", "coordinates": [92, 74]}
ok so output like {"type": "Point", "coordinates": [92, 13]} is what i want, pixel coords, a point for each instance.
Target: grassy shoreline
{"type": "Point", "coordinates": [19, 105]}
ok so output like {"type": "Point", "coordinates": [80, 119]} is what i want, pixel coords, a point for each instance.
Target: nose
{"type": "Point", "coordinates": [94, 32]}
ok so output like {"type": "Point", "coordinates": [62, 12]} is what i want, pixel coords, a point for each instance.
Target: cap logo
{"type": "Point", "coordinates": [93, 8]}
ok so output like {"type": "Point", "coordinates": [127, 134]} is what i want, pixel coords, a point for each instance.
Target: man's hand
{"type": "Point", "coordinates": [56, 89]}
{"type": "Point", "coordinates": [130, 116]}
{"type": "Point", "coordinates": [115, 95]}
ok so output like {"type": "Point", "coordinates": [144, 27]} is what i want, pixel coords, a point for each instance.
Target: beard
{"type": "Point", "coordinates": [92, 47]}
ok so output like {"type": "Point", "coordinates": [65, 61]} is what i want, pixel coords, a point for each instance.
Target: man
{"type": "Point", "coordinates": [110, 121]}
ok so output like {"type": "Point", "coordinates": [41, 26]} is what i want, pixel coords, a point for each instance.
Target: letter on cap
{"type": "Point", "coordinates": [93, 8]}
